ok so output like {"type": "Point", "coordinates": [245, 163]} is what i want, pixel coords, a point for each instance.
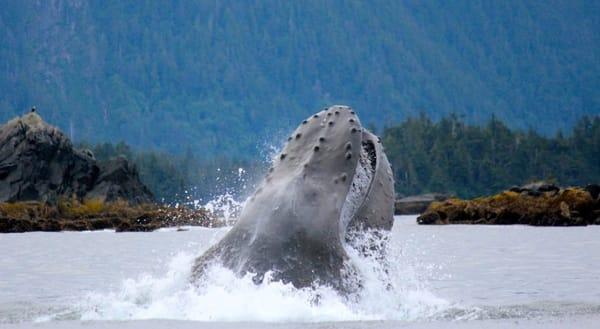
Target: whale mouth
{"type": "Point", "coordinates": [359, 188]}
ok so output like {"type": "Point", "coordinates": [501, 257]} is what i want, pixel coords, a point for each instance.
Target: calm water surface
{"type": "Point", "coordinates": [444, 277]}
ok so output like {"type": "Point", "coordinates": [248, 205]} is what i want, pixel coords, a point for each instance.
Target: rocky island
{"type": "Point", "coordinates": [46, 184]}
{"type": "Point", "coordinates": [537, 204]}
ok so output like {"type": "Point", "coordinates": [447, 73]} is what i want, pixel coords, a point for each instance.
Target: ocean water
{"type": "Point", "coordinates": [455, 276]}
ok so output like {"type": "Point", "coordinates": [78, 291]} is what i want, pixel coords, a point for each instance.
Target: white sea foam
{"type": "Point", "coordinates": [391, 291]}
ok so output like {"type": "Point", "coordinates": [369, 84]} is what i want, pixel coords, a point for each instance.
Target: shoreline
{"type": "Point", "coordinates": [93, 215]}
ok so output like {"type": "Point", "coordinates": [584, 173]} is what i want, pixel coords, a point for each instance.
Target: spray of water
{"type": "Point", "coordinates": [391, 290]}
{"type": "Point", "coordinates": [233, 186]}
{"type": "Point", "coordinates": [224, 206]}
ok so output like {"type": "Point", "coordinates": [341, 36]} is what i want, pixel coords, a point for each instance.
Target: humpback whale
{"type": "Point", "coordinates": [331, 179]}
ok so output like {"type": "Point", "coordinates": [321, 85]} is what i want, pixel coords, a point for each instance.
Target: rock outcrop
{"type": "Point", "coordinates": [543, 205]}
{"type": "Point", "coordinates": [119, 179]}
{"type": "Point", "coordinates": [417, 204]}
{"type": "Point", "coordinates": [72, 215]}
{"type": "Point", "coordinates": [38, 162]}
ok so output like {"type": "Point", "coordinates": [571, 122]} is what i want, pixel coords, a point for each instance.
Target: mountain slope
{"type": "Point", "coordinates": [222, 78]}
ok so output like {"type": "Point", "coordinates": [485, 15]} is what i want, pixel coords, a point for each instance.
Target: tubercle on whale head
{"type": "Point", "coordinates": [309, 134]}
{"type": "Point", "coordinates": [319, 156]}
{"type": "Point", "coordinates": [315, 155]}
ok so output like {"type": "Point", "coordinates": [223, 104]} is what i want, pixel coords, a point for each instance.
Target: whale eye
{"type": "Point", "coordinates": [337, 112]}
{"type": "Point", "coordinates": [315, 116]}
{"type": "Point", "coordinates": [316, 148]}
{"type": "Point", "coordinates": [321, 139]}
{"type": "Point", "coordinates": [304, 122]}
{"type": "Point", "coordinates": [328, 114]}
{"type": "Point", "coordinates": [282, 156]}
{"type": "Point", "coordinates": [352, 112]}
{"type": "Point", "coordinates": [289, 138]}
{"type": "Point", "coordinates": [351, 120]}
{"type": "Point", "coordinates": [330, 123]}
{"type": "Point", "coordinates": [353, 130]}
{"type": "Point", "coordinates": [298, 135]}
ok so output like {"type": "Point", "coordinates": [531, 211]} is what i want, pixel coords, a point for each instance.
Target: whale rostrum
{"type": "Point", "coordinates": [332, 178]}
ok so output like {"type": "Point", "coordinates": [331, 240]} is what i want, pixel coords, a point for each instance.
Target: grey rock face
{"type": "Point", "coordinates": [119, 179]}
{"type": "Point", "coordinates": [38, 162]}
{"type": "Point", "coordinates": [331, 179]}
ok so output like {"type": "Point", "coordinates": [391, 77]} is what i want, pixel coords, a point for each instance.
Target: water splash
{"type": "Point", "coordinates": [223, 206]}
{"type": "Point", "coordinates": [236, 185]}
{"type": "Point", "coordinates": [226, 205]}
{"type": "Point", "coordinates": [221, 297]}
{"type": "Point", "coordinates": [392, 288]}
{"type": "Point", "coordinates": [390, 291]}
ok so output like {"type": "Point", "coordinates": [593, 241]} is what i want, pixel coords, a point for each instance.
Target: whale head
{"type": "Point", "coordinates": [331, 178]}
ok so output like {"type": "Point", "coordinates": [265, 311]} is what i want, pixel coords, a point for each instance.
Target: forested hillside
{"type": "Point", "coordinates": [223, 77]}
{"type": "Point", "coordinates": [447, 156]}
{"type": "Point", "coordinates": [468, 161]}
